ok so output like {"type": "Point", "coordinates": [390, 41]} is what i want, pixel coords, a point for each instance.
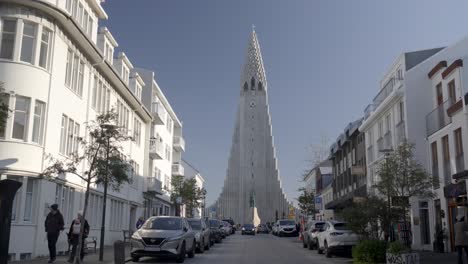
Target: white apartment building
{"type": "Point", "coordinates": [166, 146]}
{"type": "Point", "coordinates": [397, 113]}
{"type": "Point", "coordinates": [59, 71]}
{"type": "Point", "coordinates": [192, 173]}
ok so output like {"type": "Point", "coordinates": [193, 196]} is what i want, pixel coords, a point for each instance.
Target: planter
{"type": "Point", "coordinates": [403, 258]}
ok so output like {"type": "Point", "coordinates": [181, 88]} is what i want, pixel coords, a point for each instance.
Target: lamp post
{"type": "Point", "coordinates": [105, 130]}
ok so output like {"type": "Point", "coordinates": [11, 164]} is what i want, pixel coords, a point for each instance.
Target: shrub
{"type": "Point", "coordinates": [369, 252]}
{"type": "Point", "coordinates": [397, 247]}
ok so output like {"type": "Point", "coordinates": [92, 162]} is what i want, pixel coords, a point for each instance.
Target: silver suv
{"type": "Point", "coordinates": [202, 233]}
{"type": "Point", "coordinates": [164, 236]}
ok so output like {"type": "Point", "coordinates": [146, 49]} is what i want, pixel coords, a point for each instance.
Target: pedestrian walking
{"type": "Point", "coordinates": [53, 226]}
{"type": "Point", "coordinates": [140, 222]}
{"type": "Point", "coordinates": [74, 235]}
{"type": "Point", "coordinates": [461, 237]}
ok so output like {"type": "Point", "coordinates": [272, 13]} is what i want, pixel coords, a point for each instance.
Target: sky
{"type": "Point", "coordinates": [323, 60]}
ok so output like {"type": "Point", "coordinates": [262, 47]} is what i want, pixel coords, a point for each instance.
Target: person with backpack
{"type": "Point", "coordinates": [74, 235]}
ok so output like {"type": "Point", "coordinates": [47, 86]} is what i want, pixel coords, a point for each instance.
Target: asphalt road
{"type": "Point", "coordinates": [259, 249]}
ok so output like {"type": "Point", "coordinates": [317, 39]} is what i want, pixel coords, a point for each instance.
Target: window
{"type": "Point", "coordinates": [68, 6]}
{"type": "Point", "coordinates": [435, 159]}
{"type": "Point", "coordinates": [85, 21]}
{"type": "Point", "coordinates": [69, 136]}
{"type": "Point", "coordinates": [108, 52]}
{"type": "Point", "coordinates": [95, 210]}
{"type": "Point", "coordinates": [38, 122]}
{"type": "Point", "coordinates": [446, 149]}
{"type": "Point", "coordinates": [79, 16]}
{"type": "Point", "coordinates": [28, 203]}
{"type": "Point", "coordinates": [157, 173]}
{"type": "Point", "coordinates": [117, 214]}
{"type": "Point", "coordinates": [79, 88]}
{"type": "Point", "coordinates": [68, 71]}
{"type": "Point", "coordinates": [137, 131]}
{"type": "Point", "coordinates": [44, 52]}
{"type": "Point", "coordinates": [138, 91]}
{"type": "Point", "coordinates": [8, 39]}
{"type": "Point", "coordinates": [458, 142]}
{"type": "Point", "coordinates": [90, 26]}
{"type": "Point", "coordinates": [401, 111]}
{"type": "Point", "coordinates": [380, 129]}
{"type": "Point", "coordinates": [74, 74]}
{"type": "Point", "coordinates": [168, 153]}
{"type": "Point", "coordinates": [440, 96]}
{"type": "Point", "coordinates": [125, 74]}
{"type": "Point", "coordinates": [27, 44]}
{"type": "Point", "coordinates": [388, 122]}
{"type": "Point", "coordinates": [21, 117]}
{"type": "Point", "coordinates": [123, 116]}
{"type": "Point", "coordinates": [167, 183]}
{"type": "Point", "coordinates": [169, 124]}
{"type": "Point", "coordinates": [451, 91]}
{"type": "Point", "coordinates": [65, 197]}
{"type": "Point", "coordinates": [4, 101]}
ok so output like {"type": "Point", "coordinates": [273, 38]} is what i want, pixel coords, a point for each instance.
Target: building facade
{"type": "Point", "coordinates": [59, 72]}
{"type": "Point", "coordinates": [192, 173]}
{"type": "Point", "coordinates": [252, 179]}
{"type": "Point", "coordinates": [348, 156]}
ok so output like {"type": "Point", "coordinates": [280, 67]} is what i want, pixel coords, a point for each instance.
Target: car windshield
{"type": "Point", "coordinates": [229, 221]}
{"type": "Point", "coordinates": [248, 226]}
{"type": "Point", "coordinates": [287, 222]}
{"type": "Point", "coordinates": [319, 225]}
{"type": "Point", "coordinates": [195, 224]}
{"type": "Point", "coordinates": [340, 226]}
{"type": "Point", "coordinates": [164, 224]}
{"type": "Point", "coordinates": [214, 223]}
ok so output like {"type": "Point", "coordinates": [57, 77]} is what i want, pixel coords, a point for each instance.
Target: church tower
{"type": "Point", "coordinates": [252, 180]}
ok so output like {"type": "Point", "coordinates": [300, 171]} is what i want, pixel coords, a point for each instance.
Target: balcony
{"type": "Point", "coordinates": [177, 169]}
{"type": "Point", "coordinates": [388, 140]}
{"type": "Point", "coordinates": [401, 133]}
{"type": "Point", "coordinates": [154, 185]}
{"type": "Point", "coordinates": [384, 92]}
{"type": "Point", "coordinates": [179, 144]}
{"type": "Point", "coordinates": [460, 162]}
{"type": "Point", "coordinates": [159, 113]}
{"type": "Point", "coordinates": [438, 118]}
{"type": "Point", "coordinates": [156, 149]}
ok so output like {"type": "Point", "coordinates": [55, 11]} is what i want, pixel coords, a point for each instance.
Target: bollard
{"type": "Point", "coordinates": [119, 252]}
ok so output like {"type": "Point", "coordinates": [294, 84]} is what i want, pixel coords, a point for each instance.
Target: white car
{"type": "Point", "coordinates": [335, 237]}
{"type": "Point", "coordinates": [285, 227]}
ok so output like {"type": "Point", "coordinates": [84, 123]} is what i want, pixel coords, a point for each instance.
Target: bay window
{"type": "Point", "coordinates": [8, 39]}
{"type": "Point", "coordinates": [21, 116]}
{"type": "Point", "coordinates": [27, 43]}
{"type": "Point", "coordinates": [38, 123]}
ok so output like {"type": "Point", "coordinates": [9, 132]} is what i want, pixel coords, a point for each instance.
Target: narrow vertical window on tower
{"type": "Point", "coordinates": [252, 84]}
{"type": "Point", "coordinates": [246, 86]}
{"type": "Point", "coordinates": [260, 86]}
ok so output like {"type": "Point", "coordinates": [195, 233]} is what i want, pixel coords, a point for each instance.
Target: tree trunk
{"type": "Point", "coordinates": [80, 239]}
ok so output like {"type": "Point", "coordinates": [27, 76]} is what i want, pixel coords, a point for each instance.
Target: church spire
{"type": "Point", "coordinates": [253, 67]}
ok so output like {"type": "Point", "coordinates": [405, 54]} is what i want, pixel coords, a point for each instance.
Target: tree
{"type": "Point", "coordinates": [185, 191]}
{"type": "Point", "coordinates": [4, 110]}
{"type": "Point", "coordinates": [306, 202]}
{"type": "Point", "coordinates": [401, 177]}
{"type": "Point", "coordinates": [177, 184]}
{"type": "Point", "coordinates": [102, 154]}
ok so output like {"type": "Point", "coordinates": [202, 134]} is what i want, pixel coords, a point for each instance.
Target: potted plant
{"type": "Point", "coordinates": [397, 253]}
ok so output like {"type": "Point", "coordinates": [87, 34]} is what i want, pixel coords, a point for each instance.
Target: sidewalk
{"type": "Point", "coordinates": [89, 258]}
{"type": "Point", "coordinates": [428, 257]}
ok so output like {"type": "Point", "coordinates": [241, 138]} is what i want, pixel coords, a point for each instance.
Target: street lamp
{"type": "Point", "coordinates": [105, 129]}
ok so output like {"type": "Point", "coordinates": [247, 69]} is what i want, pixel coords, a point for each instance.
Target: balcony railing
{"type": "Point", "coordinates": [401, 133]}
{"type": "Point", "coordinates": [447, 173]}
{"type": "Point", "coordinates": [159, 113]}
{"type": "Point", "coordinates": [154, 185]}
{"type": "Point", "coordinates": [388, 140]}
{"type": "Point", "coordinates": [438, 118]}
{"type": "Point", "coordinates": [156, 149]}
{"type": "Point", "coordinates": [460, 162]}
{"type": "Point", "coordinates": [177, 169]}
{"type": "Point", "coordinates": [384, 92]}
{"type": "Point", "coordinates": [179, 143]}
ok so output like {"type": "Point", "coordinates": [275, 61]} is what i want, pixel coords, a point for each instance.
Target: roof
{"type": "Point", "coordinates": [253, 66]}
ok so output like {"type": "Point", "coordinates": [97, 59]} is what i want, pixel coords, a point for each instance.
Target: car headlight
{"type": "Point", "coordinates": [243, 229]}
{"type": "Point", "coordinates": [253, 229]}
{"type": "Point", "coordinates": [136, 236]}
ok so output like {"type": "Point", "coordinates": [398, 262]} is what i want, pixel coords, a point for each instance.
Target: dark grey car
{"type": "Point", "coordinates": [164, 236]}
{"type": "Point", "coordinates": [202, 233]}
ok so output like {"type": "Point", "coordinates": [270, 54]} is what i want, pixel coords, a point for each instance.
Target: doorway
{"type": "Point", "coordinates": [132, 221]}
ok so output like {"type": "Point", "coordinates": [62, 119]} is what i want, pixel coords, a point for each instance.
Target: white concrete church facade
{"type": "Point", "coordinates": [252, 176]}
{"type": "Point", "coordinates": [59, 72]}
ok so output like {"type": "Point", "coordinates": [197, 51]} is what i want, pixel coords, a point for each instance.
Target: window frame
{"type": "Point", "coordinates": [14, 33]}
{"type": "Point", "coordinates": [33, 39]}
{"type": "Point", "coordinates": [40, 137]}
{"type": "Point", "coordinates": [27, 113]}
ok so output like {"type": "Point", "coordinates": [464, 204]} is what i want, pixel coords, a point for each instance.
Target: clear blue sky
{"type": "Point", "coordinates": [324, 60]}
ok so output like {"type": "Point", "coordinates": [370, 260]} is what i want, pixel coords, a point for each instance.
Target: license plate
{"type": "Point", "coordinates": [152, 249]}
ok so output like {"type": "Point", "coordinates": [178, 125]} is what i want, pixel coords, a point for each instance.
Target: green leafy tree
{"type": "Point", "coordinates": [187, 192]}
{"type": "Point", "coordinates": [102, 155]}
{"type": "Point", "coordinates": [177, 184]}
{"type": "Point", "coordinates": [401, 177]}
{"type": "Point", "coordinates": [4, 110]}
{"type": "Point", "coordinates": [306, 202]}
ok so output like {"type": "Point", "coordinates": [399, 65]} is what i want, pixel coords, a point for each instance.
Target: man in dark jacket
{"type": "Point", "coordinates": [53, 226]}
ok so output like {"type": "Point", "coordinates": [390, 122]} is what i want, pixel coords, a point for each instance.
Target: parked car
{"type": "Point", "coordinates": [248, 229]}
{"type": "Point", "coordinates": [286, 227]}
{"type": "Point", "coordinates": [274, 230]}
{"type": "Point", "coordinates": [202, 234]}
{"type": "Point", "coordinates": [335, 237]}
{"type": "Point", "coordinates": [215, 230]}
{"type": "Point", "coordinates": [163, 236]}
{"type": "Point", "coordinates": [231, 222]}
{"type": "Point", "coordinates": [263, 228]}
{"type": "Point", "coordinates": [227, 228]}
{"type": "Point", "coordinates": [309, 235]}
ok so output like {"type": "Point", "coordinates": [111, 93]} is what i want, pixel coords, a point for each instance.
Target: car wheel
{"type": "Point", "coordinates": [303, 243]}
{"type": "Point", "coordinates": [319, 250]}
{"type": "Point", "coordinates": [135, 258]}
{"type": "Point", "coordinates": [202, 246]}
{"type": "Point", "coordinates": [327, 250]}
{"type": "Point", "coordinates": [280, 234]}
{"type": "Point", "coordinates": [191, 253]}
{"type": "Point", "coordinates": [310, 245]}
{"type": "Point", "coordinates": [207, 246]}
{"type": "Point", "coordinates": [181, 256]}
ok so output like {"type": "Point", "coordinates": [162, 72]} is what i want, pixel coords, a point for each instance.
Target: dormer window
{"type": "Point", "coordinates": [125, 74]}
{"type": "Point", "coordinates": [138, 91]}
{"type": "Point", "coordinates": [108, 52]}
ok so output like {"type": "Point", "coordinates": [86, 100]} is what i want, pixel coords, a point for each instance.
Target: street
{"type": "Point", "coordinates": [261, 248]}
